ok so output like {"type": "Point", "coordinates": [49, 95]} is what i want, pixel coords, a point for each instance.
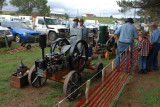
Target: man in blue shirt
{"type": "Point", "coordinates": [126, 34]}
{"type": "Point", "coordinates": [152, 60]}
{"type": "Point", "coordinates": [115, 27]}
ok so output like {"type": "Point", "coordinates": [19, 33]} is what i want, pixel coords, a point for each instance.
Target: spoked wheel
{"type": "Point", "coordinates": [71, 83]}
{"type": "Point", "coordinates": [98, 69]}
{"type": "Point", "coordinates": [34, 79]}
{"type": "Point", "coordinates": [58, 44]}
{"type": "Point", "coordinates": [78, 55]}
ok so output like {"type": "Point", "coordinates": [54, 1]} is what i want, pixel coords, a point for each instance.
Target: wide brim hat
{"type": "Point", "coordinates": [76, 19]}
{"type": "Point", "coordinates": [81, 20]}
{"type": "Point", "coordinates": [129, 20]}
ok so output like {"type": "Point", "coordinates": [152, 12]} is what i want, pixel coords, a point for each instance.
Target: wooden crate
{"type": "Point", "coordinates": [19, 82]}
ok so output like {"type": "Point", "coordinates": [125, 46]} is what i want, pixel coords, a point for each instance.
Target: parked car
{"type": "Point", "coordinates": [21, 32]}
{"type": "Point", "coordinates": [5, 31]}
{"type": "Point", "coordinates": [50, 27]}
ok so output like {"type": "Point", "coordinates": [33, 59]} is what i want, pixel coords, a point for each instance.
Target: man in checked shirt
{"type": "Point", "coordinates": [152, 61]}
{"type": "Point", "coordinates": [143, 48]}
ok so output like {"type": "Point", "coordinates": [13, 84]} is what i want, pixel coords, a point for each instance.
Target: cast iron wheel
{"type": "Point", "coordinates": [71, 83]}
{"type": "Point", "coordinates": [34, 79]}
{"type": "Point", "coordinates": [52, 36]}
{"type": "Point", "coordinates": [78, 55]}
{"type": "Point", "coordinates": [99, 68]}
{"type": "Point", "coordinates": [58, 44]}
{"type": "Point", "coordinates": [18, 38]}
{"type": "Point", "coordinates": [28, 46]}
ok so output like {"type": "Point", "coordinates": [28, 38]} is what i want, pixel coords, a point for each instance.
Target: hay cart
{"type": "Point", "coordinates": [64, 63]}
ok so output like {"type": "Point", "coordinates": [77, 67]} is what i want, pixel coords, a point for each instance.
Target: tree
{"type": "Point", "coordinates": [147, 8]}
{"type": "Point", "coordinates": [66, 16]}
{"type": "Point", "coordinates": [27, 6]}
{"type": "Point", "coordinates": [2, 3]}
{"type": "Point", "coordinates": [111, 17]}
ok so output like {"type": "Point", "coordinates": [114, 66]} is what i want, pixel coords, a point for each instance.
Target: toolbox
{"type": "Point", "coordinates": [19, 80]}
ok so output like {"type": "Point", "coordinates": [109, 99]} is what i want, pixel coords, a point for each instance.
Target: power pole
{"type": "Point", "coordinates": [135, 13]}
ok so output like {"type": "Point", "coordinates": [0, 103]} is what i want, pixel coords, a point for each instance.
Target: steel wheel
{"type": "Point", "coordinates": [58, 44]}
{"type": "Point", "coordinates": [99, 68]}
{"type": "Point", "coordinates": [71, 83]}
{"type": "Point", "coordinates": [18, 38]}
{"type": "Point", "coordinates": [78, 55]}
{"type": "Point", "coordinates": [52, 36]}
{"type": "Point", "coordinates": [34, 79]}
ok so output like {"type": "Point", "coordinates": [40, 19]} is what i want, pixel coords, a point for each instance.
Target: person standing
{"type": "Point", "coordinates": [143, 48]}
{"type": "Point", "coordinates": [75, 23]}
{"type": "Point", "coordinates": [152, 60]}
{"type": "Point", "coordinates": [126, 34]}
{"type": "Point", "coordinates": [81, 24]}
{"type": "Point", "coordinates": [115, 27]}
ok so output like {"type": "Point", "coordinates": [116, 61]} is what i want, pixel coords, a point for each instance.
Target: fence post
{"type": "Point", "coordinates": [59, 104]}
{"type": "Point", "coordinates": [103, 75]}
{"type": "Point", "coordinates": [87, 90]}
{"type": "Point", "coordinates": [113, 63]}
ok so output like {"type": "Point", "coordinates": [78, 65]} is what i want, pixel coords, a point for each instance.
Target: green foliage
{"type": "Point", "coordinates": [27, 6]}
{"type": "Point", "coordinates": [111, 17]}
{"type": "Point", "coordinates": [2, 3]}
{"type": "Point", "coordinates": [147, 9]}
{"type": "Point", "coordinates": [66, 16]}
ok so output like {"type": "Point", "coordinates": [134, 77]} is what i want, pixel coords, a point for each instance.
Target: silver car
{"type": "Point", "coordinates": [5, 31]}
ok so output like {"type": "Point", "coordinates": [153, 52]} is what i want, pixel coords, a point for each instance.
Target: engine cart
{"type": "Point", "coordinates": [103, 43]}
{"type": "Point", "coordinates": [64, 63]}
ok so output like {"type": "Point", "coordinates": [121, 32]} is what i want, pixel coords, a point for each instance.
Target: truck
{"type": "Point", "coordinates": [50, 27]}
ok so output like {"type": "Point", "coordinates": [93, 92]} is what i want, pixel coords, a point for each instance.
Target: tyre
{"type": "Point", "coordinates": [17, 38]}
{"type": "Point", "coordinates": [52, 36]}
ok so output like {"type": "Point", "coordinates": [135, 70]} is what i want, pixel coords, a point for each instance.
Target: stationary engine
{"type": "Point", "coordinates": [56, 62]}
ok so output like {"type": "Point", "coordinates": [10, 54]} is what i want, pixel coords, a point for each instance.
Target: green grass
{"type": "Point", "coordinates": [101, 19]}
{"type": "Point", "coordinates": [10, 62]}
{"type": "Point", "coordinates": [8, 12]}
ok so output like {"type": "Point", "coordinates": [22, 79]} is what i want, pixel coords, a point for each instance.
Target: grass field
{"type": "Point", "coordinates": [101, 19]}
{"type": "Point", "coordinates": [8, 12]}
{"type": "Point", "coordinates": [46, 96]}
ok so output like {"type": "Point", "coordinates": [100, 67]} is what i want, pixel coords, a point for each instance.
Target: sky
{"type": "Point", "coordinates": [102, 8]}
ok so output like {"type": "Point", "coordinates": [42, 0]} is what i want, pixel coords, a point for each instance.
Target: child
{"type": "Point", "coordinates": [143, 48]}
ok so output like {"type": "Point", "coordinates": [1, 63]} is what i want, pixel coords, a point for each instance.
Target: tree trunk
{"type": "Point", "coordinates": [1, 8]}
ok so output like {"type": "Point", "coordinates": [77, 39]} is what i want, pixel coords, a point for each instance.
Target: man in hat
{"type": "Point", "coordinates": [80, 24]}
{"type": "Point", "coordinates": [75, 23]}
{"type": "Point", "coordinates": [126, 33]}
{"type": "Point", "coordinates": [152, 60]}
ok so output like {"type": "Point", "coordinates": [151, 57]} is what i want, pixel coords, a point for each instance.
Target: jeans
{"type": "Point", "coordinates": [120, 49]}
{"type": "Point", "coordinates": [142, 62]}
{"type": "Point", "coordinates": [152, 60]}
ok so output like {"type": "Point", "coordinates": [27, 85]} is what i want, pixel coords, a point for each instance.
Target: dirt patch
{"type": "Point", "coordinates": [132, 96]}
{"type": "Point", "coordinates": [30, 94]}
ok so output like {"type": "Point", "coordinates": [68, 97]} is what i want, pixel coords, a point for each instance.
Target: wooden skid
{"type": "Point", "coordinates": [58, 76]}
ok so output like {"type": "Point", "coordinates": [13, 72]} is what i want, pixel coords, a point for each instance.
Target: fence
{"type": "Point", "coordinates": [107, 92]}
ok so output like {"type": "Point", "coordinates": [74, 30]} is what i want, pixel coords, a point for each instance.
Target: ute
{"type": "Point", "coordinates": [50, 27]}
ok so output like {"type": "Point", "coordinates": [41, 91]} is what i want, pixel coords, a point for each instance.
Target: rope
{"type": "Point", "coordinates": [142, 92]}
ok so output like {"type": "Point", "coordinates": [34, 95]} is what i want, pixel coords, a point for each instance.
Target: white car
{"type": "Point", "coordinates": [50, 26]}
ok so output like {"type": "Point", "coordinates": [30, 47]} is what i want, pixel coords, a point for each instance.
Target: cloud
{"type": "Point", "coordinates": [104, 8]}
